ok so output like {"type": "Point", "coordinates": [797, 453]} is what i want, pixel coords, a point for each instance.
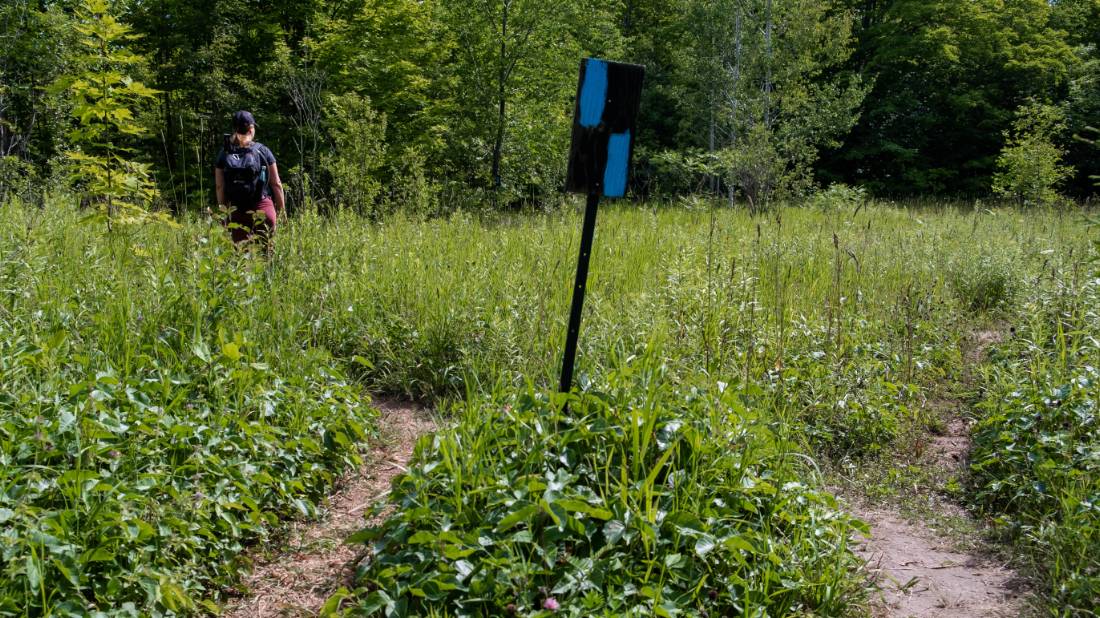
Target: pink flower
{"type": "Point", "coordinates": [551, 604]}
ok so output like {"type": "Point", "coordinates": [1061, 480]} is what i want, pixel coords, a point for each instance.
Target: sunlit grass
{"type": "Point", "coordinates": [159, 371]}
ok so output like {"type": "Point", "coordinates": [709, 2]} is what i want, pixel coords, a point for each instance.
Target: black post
{"type": "Point", "coordinates": [587, 232]}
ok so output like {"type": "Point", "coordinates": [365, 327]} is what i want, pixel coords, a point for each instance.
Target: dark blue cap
{"type": "Point", "coordinates": [242, 120]}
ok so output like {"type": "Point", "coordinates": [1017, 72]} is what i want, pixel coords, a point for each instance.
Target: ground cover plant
{"type": "Point", "coordinates": [634, 498]}
{"type": "Point", "coordinates": [831, 322]}
{"type": "Point", "coordinates": [1036, 460]}
{"type": "Point", "coordinates": [144, 439]}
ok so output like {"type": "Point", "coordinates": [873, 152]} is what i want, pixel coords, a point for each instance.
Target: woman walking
{"type": "Point", "coordinates": [246, 178]}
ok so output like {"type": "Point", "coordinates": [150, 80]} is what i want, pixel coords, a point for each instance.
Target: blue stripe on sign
{"type": "Point", "coordinates": [614, 175]}
{"type": "Point", "coordinates": [593, 92]}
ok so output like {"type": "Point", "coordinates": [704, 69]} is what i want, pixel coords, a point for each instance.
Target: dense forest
{"type": "Point", "coordinates": [430, 105]}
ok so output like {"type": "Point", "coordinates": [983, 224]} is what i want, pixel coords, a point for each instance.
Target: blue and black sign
{"type": "Point", "coordinates": [599, 165]}
{"type": "Point", "coordinates": [603, 127]}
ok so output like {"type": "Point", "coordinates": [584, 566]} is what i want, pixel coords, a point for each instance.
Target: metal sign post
{"type": "Point", "coordinates": [588, 230]}
{"type": "Point", "coordinates": [608, 96]}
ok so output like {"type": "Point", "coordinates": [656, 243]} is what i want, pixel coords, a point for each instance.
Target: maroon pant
{"type": "Point", "coordinates": [257, 222]}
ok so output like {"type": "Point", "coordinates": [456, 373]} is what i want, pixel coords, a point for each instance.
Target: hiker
{"type": "Point", "coordinates": [246, 179]}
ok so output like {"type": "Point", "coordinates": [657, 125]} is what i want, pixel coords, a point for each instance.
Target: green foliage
{"type": "Point", "coordinates": [849, 408]}
{"type": "Point", "coordinates": [17, 179]}
{"type": "Point", "coordinates": [1036, 454]}
{"type": "Point", "coordinates": [948, 78]}
{"type": "Point", "coordinates": [1080, 19]}
{"type": "Point", "coordinates": [1030, 164]}
{"type": "Point", "coordinates": [631, 499]}
{"type": "Point", "coordinates": [148, 432]}
{"type": "Point", "coordinates": [839, 196]}
{"type": "Point", "coordinates": [1095, 143]}
{"type": "Point", "coordinates": [358, 153]}
{"type": "Point", "coordinates": [515, 70]}
{"type": "Point", "coordinates": [411, 191]}
{"type": "Point", "coordinates": [823, 346]}
{"type": "Point", "coordinates": [898, 96]}
{"type": "Point", "coordinates": [104, 99]}
{"type": "Point", "coordinates": [35, 51]}
{"type": "Point", "coordinates": [983, 284]}
{"type": "Point", "coordinates": [764, 91]}
{"type": "Point", "coordinates": [394, 54]}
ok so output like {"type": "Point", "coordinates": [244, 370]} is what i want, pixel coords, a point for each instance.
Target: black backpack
{"type": "Point", "coordinates": [245, 176]}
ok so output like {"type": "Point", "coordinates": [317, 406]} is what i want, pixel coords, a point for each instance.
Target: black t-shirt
{"type": "Point", "coordinates": [267, 158]}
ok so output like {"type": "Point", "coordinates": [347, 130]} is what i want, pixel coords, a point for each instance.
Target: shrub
{"type": "Point", "coordinates": [104, 98]}
{"type": "Point", "coordinates": [984, 284]}
{"type": "Point", "coordinates": [839, 196]}
{"type": "Point", "coordinates": [358, 135]}
{"type": "Point", "coordinates": [142, 448]}
{"type": "Point", "coordinates": [410, 190]}
{"type": "Point", "coordinates": [1036, 451]}
{"type": "Point", "coordinates": [17, 179]}
{"type": "Point", "coordinates": [1030, 165]}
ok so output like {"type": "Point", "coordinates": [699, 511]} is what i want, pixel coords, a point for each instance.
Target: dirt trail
{"type": "Point", "coordinates": [918, 571]}
{"type": "Point", "coordinates": [314, 562]}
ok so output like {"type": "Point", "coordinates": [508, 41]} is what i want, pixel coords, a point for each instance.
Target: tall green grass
{"type": "Point", "coordinates": [145, 435]}
{"type": "Point", "coordinates": [434, 304]}
{"type": "Point", "coordinates": [1036, 460]}
{"type": "Point", "coordinates": [166, 399]}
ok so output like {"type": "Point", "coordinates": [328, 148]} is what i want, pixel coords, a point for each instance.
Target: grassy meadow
{"type": "Point", "coordinates": [167, 400]}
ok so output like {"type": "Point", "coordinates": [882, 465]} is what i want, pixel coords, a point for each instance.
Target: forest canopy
{"type": "Point", "coordinates": [430, 105]}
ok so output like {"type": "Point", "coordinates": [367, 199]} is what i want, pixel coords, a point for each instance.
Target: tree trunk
{"type": "Point", "coordinates": [498, 143]}
{"type": "Point", "coordinates": [768, 25]}
{"type": "Point", "coordinates": [735, 79]}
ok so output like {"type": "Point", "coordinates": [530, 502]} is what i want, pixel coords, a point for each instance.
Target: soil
{"type": "Point", "coordinates": [919, 571]}
{"type": "Point", "coordinates": [314, 562]}
{"type": "Point", "coordinates": [920, 575]}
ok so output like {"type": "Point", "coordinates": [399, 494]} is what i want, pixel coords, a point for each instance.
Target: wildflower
{"type": "Point", "coordinates": [551, 604]}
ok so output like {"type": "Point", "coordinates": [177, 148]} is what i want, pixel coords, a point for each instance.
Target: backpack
{"type": "Point", "coordinates": [245, 177]}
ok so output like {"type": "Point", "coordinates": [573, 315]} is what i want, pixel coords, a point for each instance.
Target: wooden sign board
{"type": "Point", "coordinates": [608, 96]}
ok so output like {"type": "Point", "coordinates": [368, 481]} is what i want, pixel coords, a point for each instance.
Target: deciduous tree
{"type": "Point", "coordinates": [104, 98]}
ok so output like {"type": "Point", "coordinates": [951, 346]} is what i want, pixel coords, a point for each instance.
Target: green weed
{"type": "Point", "coordinates": [1036, 460]}
{"type": "Point", "coordinates": [634, 498]}
{"type": "Point", "coordinates": [167, 399]}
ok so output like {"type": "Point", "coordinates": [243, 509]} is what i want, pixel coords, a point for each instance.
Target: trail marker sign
{"type": "Point", "coordinates": [604, 119]}
{"type": "Point", "coordinates": [608, 96]}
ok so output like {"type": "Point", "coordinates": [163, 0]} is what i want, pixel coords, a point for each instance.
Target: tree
{"type": "Point", "coordinates": [394, 53]}
{"type": "Point", "coordinates": [515, 67]}
{"type": "Point", "coordinates": [1030, 165]}
{"type": "Point", "coordinates": [104, 97]}
{"type": "Point", "coordinates": [358, 153]}
{"type": "Point", "coordinates": [762, 80]}
{"type": "Point", "coordinates": [1090, 137]}
{"type": "Point", "coordinates": [948, 77]}
{"type": "Point", "coordinates": [35, 46]}
{"type": "Point", "coordinates": [1080, 20]}
{"type": "Point", "coordinates": [211, 58]}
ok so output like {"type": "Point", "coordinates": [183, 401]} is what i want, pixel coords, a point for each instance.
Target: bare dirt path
{"type": "Point", "coordinates": [919, 569]}
{"type": "Point", "coordinates": [920, 575]}
{"type": "Point", "coordinates": [296, 580]}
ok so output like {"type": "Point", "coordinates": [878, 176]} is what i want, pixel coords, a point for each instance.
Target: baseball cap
{"type": "Point", "coordinates": [242, 120]}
